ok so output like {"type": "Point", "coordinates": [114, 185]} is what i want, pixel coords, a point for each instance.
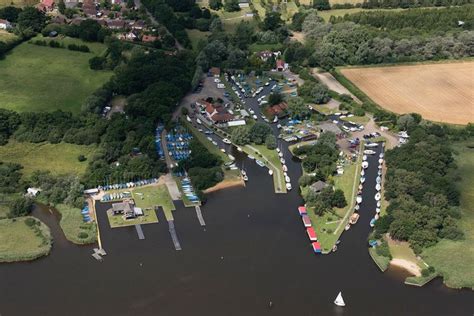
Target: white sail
{"type": "Point", "coordinates": [339, 301]}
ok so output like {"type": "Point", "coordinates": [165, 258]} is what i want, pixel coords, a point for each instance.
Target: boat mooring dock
{"type": "Point", "coordinates": [199, 215]}
{"type": "Point", "coordinates": [138, 227]}
{"type": "Point", "coordinates": [173, 234]}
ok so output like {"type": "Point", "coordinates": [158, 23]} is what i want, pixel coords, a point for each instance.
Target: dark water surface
{"type": "Point", "coordinates": [236, 266]}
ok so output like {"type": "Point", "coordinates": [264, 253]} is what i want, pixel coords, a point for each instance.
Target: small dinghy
{"type": "Point", "coordinates": [339, 301]}
{"type": "Point", "coordinates": [379, 204]}
{"type": "Point", "coordinates": [361, 187]}
{"type": "Point", "coordinates": [381, 155]}
{"type": "Point", "coordinates": [362, 180]}
{"type": "Point", "coordinates": [380, 161]}
{"type": "Point", "coordinates": [357, 207]}
{"type": "Point", "coordinates": [369, 152]}
{"type": "Point", "coordinates": [282, 160]}
{"type": "Point", "coordinates": [378, 196]}
{"type": "Point", "coordinates": [288, 186]}
{"type": "Point", "coordinates": [377, 216]}
{"type": "Point", "coordinates": [348, 226]}
{"type": "Point", "coordinates": [378, 180]}
{"type": "Point", "coordinates": [362, 172]}
{"type": "Point", "coordinates": [280, 154]}
{"type": "Point", "coordinates": [270, 172]}
{"type": "Point", "coordinates": [364, 157]}
{"type": "Point", "coordinates": [365, 164]}
{"type": "Point", "coordinates": [372, 222]}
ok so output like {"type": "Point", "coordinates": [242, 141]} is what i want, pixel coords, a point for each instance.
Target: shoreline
{"type": "Point", "coordinates": [409, 266]}
{"type": "Point", "coordinates": [224, 185]}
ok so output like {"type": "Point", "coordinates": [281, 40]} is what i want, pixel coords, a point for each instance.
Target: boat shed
{"type": "Point", "coordinates": [302, 210]}
{"type": "Point", "coordinates": [311, 234]}
{"type": "Point", "coordinates": [316, 247]}
{"type": "Point", "coordinates": [306, 220]}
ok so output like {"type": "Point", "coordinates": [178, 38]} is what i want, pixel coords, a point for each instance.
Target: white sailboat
{"type": "Point", "coordinates": [339, 301]}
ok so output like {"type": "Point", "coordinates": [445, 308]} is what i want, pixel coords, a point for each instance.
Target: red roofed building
{"type": "Point", "coordinates": [46, 5]}
{"type": "Point", "coordinates": [149, 38]}
{"type": "Point", "coordinates": [215, 71]}
{"type": "Point", "coordinates": [277, 109]}
{"type": "Point", "coordinates": [280, 65]}
{"type": "Point", "coordinates": [217, 113]}
{"type": "Point", "coordinates": [302, 210]}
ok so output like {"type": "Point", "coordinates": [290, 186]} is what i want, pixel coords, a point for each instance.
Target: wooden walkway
{"type": "Point", "coordinates": [199, 215]}
{"type": "Point", "coordinates": [173, 234]}
{"type": "Point", "coordinates": [138, 227]}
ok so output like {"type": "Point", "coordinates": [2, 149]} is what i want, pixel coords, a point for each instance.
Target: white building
{"type": "Point", "coordinates": [4, 24]}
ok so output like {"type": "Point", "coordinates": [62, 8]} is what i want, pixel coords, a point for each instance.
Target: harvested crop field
{"type": "Point", "coordinates": [439, 92]}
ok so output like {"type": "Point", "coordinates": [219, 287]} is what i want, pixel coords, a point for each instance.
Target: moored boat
{"type": "Point", "coordinates": [270, 172]}
{"type": "Point", "coordinates": [354, 218]}
{"type": "Point", "coordinates": [378, 187]}
{"type": "Point", "coordinates": [365, 164]}
{"type": "Point", "coordinates": [359, 199]}
{"type": "Point", "coordinates": [369, 152]}
{"type": "Point", "coordinates": [288, 186]}
{"type": "Point", "coordinates": [378, 196]}
{"type": "Point", "coordinates": [372, 222]}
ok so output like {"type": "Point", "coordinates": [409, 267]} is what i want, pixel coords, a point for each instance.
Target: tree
{"type": "Point", "coordinates": [338, 199]}
{"type": "Point", "coordinates": [20, 207]}
{"type": "Point", "coordinates": [321, 5]}
{"type": "Point", "coordinates": [259, 132]}
{"type": "Point", "coordinates": [270, 141]}
{"type": "Point", "coordinates": [61, 7]}
{"type": "Point", "coordinates": [215, 4]}
{"type": "Point", "coordinates": [97, 62]}
{"type": "Point", "coordinates": [320, 94]}
{"type": "Point", "coordinates": [272, 21]}
{"type": "Point", "coordinates": [89, 30]}
{"type": "Point", "coordinates": [297, 108]}
{"type": "Point", "coordinates": [31, 18]}
{"type": "Point", "coordinates": [241, 135]}
{"type": "Point", "coordinates": [275, 98]}
{"type": "Point", "coordinates": [231, 5]}
{"type": "Point", "coordinates": [130, 4]}
{"type": "Point", "coordinates": [10, 14]}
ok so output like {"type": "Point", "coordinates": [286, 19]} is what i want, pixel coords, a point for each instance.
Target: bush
{"type": "Point", "coordinates": [97, 63]}
{"type": "Point", "coordinates": [79, 48]}
{"type": "Point", "coordinates": [30, 222]}
{"type": "Point", "coordinates": [270, 141]}
{"type": "Point", "coordinates": [383, 250]}
{"type": "Point", "coordinates": [359, 112]}
{"type": "Point", "coordinates": [83, 235]}
{"type": "Point", "coordinates": [21, 207]}
{"type": "Point", "coordinates": [81, 158]}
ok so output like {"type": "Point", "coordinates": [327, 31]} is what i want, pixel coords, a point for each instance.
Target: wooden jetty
{"type": "Point", "coordinates": [199, 215]}
{"type": "Point", "coordinates": [173, 234]}
{"type": "Point", "coordinates": [138, 227]}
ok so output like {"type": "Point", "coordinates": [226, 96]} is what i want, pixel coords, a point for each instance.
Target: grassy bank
{"type": "Point", "coordinates": [39, 78]}
{"type": "Point", "coordinates": [381, 261]}
{"type": "Point", "coordinates": [23, 239]}
{"type": "Point", "coordinates": [453, 260]}
{"type": "Point", "coordinates": [152, 196]}
{"type": "Point", "coordinates": [74, 227]}
{"type": "Point", "coordinates": [272, 160]}
{"type": "Point", "coordinates": [195, 36]}
{"type": "Point", "coordinates": [58, 158]}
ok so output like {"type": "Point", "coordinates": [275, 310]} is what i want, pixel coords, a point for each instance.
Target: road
{"type": "Point", "coordinates": [138, 5]}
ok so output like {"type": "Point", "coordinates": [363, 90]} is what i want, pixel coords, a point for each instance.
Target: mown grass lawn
{"type": "Point", "coordinates": [74, 227]}
{"type": "Point", "coordinates": [18, 3]}
{"type": "Point", "coordinates": [58, 158]}
{"type": "Point", "coordinates": [21, 242]}
{"type": "Point", "coordinates": [150, 196]}
{"type": "Point", "coordinates": [195, 36]}
{"type": "Point", "coordinates": [6, 36]}
{"type": "Point", "coordinates": [454, 259]}
{"type": "Point", "coordinates": [38, 78]}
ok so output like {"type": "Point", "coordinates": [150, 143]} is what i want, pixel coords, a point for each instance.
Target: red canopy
{"type": "Point", "coordinates": [302, 210]}
{"type": "Point", "coordinates": [311, 234]}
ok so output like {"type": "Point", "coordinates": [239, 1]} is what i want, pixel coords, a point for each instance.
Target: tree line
{"type": "Point", "coordinates": [421, 188]}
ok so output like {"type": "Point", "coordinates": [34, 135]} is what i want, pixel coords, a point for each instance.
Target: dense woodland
{"type": "Point", "coordinates": [384, 37]}
{"type": "Point", "coordinates": [421, 188]}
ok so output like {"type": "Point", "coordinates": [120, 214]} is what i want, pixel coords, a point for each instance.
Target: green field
{"type": "Point", "coordinates": [195, 36]}
{"type": "Point", "coordinates": [21, 242]}
{"type": "Point", "coordinates": [74, 227]}
{"type": "Point", "coordinates": [7, 37]}
{"type": "Point", "coordinates": [38, 78]}
{"type": "Point", "coordinates": [454, 260]}
{"type": "Point", "coordinates": [58, 158]}
{"type": "Point", "coordinates": [151, 196]}
{"type": "Point", "coordinates": [149, 217]}
{"type": "Point", "coordinates": [402, 250]}
{"type": "Point", "coordinates": [18, 3]}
